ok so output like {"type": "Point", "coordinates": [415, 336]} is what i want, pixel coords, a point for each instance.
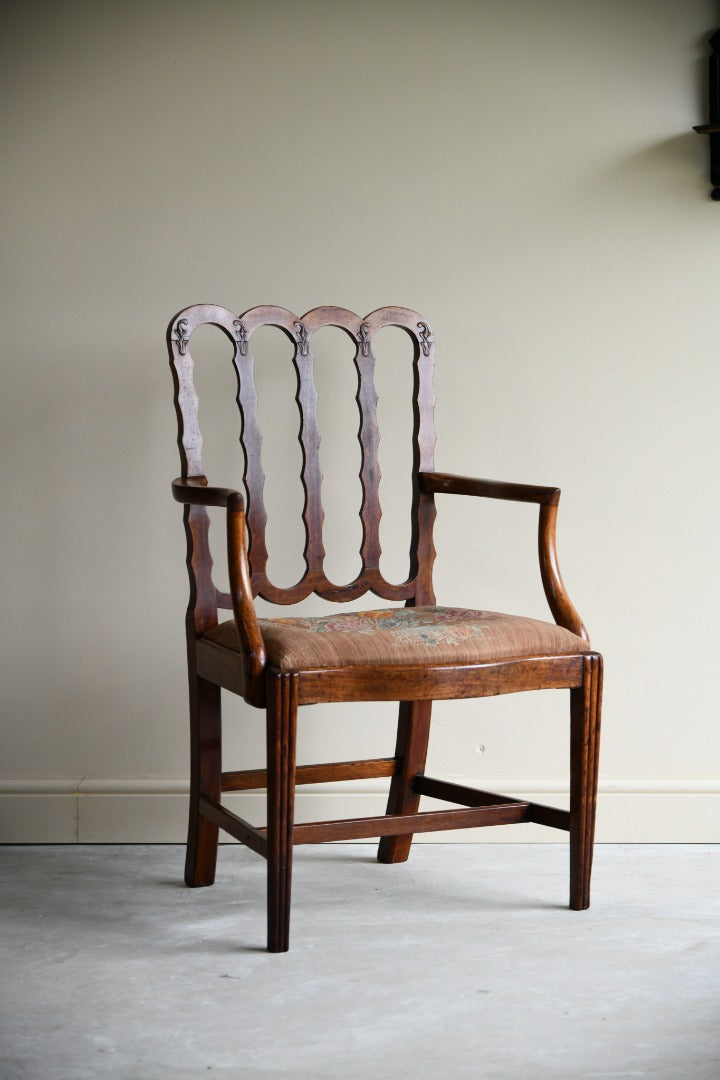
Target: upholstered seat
{"type": "Point", "coordinates": [394, 636]}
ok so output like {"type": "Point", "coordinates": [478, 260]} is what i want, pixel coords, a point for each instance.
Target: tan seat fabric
{"type": "Point", "coordinates": [395, 636]}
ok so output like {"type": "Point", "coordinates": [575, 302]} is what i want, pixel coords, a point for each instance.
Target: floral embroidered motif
{"type": "Point", "coordinates": [241, 336]}
{"type": "Point", "coordinates": [364, 338]}
{"type": "Point", "coordinates": [425, 337]}
{"type": "Point", "coordinates": [181, 336]}
{"type": "Point", "coordinates": [429, 625]}
{"type": "Point", "coordinates": [302, 339]}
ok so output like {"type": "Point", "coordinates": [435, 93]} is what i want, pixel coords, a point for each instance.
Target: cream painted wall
{"type": "Point", "coordinates": [525, 175]}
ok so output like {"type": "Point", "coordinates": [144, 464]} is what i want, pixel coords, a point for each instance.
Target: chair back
{"type": "Point", "coordinates": [417, 588]}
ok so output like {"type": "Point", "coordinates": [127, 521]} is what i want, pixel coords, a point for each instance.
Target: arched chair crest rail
{"type": "Point", "coordinates": [413, 652]}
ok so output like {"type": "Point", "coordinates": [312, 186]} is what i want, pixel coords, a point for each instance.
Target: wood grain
{"type": "Point", "coordinates": [281, 728]}
{"type": "Point", "coordinates": [330, 772]}
{"type": "Point", "coordinates": [411, 748]}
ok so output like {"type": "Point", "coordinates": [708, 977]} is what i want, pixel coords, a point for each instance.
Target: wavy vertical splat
{"type": "Point", "coordinates": [369, 437]}
{"type": "Point", "coordinates": [186, 400]}
{"type": "Point", "coordinates": [251, 440]}
{"type": "Point", "coordinates": [202, 606]}
{"type": "Point", "coordinates": [422, 548]}
{"type": "Point", "coordinates": [309, 436]}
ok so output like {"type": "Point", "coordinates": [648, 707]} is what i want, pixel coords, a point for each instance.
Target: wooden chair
{"type": "Point", "coordinates": [412, 654]}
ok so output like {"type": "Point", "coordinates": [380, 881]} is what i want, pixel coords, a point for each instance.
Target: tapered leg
{"type": "Point", "coordinates": [411, 751]}
{"type": "Point", "coordinates": [205, 779]}
{"type": "Point", "coordinates": [281, 728]}
{"type": "Point", "coordinates": [584, 755]}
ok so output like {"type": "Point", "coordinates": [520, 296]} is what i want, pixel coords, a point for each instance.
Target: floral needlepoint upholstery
{"type": "Point", "coordinates": [419, 635]}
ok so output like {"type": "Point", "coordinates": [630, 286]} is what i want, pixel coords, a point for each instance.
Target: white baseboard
{"type": "Point", "coordinates": [155, 811]}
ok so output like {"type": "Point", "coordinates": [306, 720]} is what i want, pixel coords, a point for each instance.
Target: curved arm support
{"type": "Point", "coordinates": [560, 603]}
{"type": "Point", "coordinates": [548, 498]}
{"type": "Point", "coordinates": [252, 645]}
{"type": "Point", "coordinates": [196, 491]}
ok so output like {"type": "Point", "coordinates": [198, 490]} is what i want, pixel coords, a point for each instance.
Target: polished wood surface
{"type": "Point", "coordinates": [372, 768]}
{"type": "Point", "coordinates": [245, 670]}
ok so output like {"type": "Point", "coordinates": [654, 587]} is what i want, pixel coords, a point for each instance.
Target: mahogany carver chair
{"type": "Point", "coordinates": [413, 653]}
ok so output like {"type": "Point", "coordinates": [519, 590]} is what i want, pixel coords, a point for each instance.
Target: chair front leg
{"type": "Point", "coordinates": [410, 752]}
{"type": "Point", "coordinates": [205, 779]}
{"type": "Point", "coordinates": [585, 707]}
{"type": "Point", "coordinates": [281, 731]}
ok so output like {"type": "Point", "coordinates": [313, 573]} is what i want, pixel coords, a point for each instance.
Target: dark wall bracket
{"type": "Point", "coordinates": [713, 127]}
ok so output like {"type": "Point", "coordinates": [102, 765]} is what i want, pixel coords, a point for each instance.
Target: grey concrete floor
{"type": "Point", "coordinates": [463, 962]}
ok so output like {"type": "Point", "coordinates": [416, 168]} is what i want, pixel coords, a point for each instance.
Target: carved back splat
{"type": "Point", "coordinates": [240, 329]}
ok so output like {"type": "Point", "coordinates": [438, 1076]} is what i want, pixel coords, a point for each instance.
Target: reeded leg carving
{"type": "Point", "coordinates": [281, 728]}
{"type": "Point", "coordinates": [411, 749]}
{"type": "Point", "coordinates": [205, 779]}
{"type": "Point", "coordinates": [585, 705]}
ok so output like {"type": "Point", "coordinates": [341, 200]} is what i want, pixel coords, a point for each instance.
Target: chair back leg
{"type": "Point", "coordinates": [205, 779]}
{"type": "Point", "coordinates": [281, 735]}
{"type": "Point", "coordinates": [410, 753]}
{"type": "Point", "coordinates": [584, 757]}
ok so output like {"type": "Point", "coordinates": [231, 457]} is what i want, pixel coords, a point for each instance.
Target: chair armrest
{"type": "Point", "coordinates": [195, 491]}
{"type": "Point", "coordinates": [548, 498]}
{"type": "Point", "coordinates": [448, 483]}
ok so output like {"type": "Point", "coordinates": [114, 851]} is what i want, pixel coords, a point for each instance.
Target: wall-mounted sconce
{"type": "Point", "coordinates": [713, 128]}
